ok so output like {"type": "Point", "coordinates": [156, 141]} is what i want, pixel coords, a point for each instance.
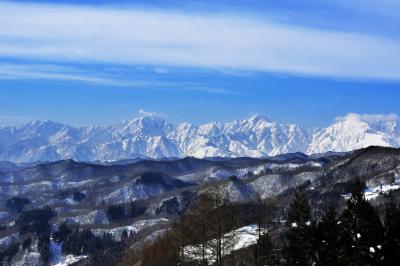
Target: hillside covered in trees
{"type": "Point", "coordinates": [355, 235]}
{"type": "Point", "coordinates": [293, 209]}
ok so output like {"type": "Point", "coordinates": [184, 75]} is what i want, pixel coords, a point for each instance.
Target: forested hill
{"type": "Point", "coordinates": [221, 211]}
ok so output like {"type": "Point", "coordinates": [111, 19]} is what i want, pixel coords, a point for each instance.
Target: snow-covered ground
{"type": "Point", "coordinates": [94, 217]}
{"type": "Point", "coordinates": [243, 237]}
{"type": "Point", "coordinates": [58, 259]}
{"type": "Point", "coordinates": [246, 236]}
{"type": "Point", "coordinates": [69, 259]}
{"type": "Point", "coordinates": [372, 193]}
{"type": "Point", "coordinates": [256, 170]}
{"type": "Point", "coordinates": [132, 192]}
{"type": "Point", "coordinates": [130, 229]}
{"type": "Point", "coordinates": [29, 258]}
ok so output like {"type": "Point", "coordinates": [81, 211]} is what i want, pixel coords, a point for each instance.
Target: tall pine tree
{"type": "Point", "coordinates": [361, 231]}
{"type": "Point", "coordinates": [327, 239]}
{"type": "Point", "coordinates": [392, 233]}
{"type": "Point", "coordinates": [263, 249]}
{"type": "Point", "coordinates": [299, 236]}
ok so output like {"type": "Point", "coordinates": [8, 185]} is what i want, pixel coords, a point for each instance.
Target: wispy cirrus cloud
{"type": "Point", "coordinates": [57, 72]}
{"type": "Point", "coordinates": [106, 77]}
{"type": "Point", "coordinates": [142, 112]}
{"type": "Point", "coordinates": [67, 33]}
{"type": "Point", "coordinates": [18, 71]}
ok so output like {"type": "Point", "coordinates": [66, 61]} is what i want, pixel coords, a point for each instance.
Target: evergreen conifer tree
{"type": "Point", "coordinates": [392, 233]}
{"type": "Point", "coordinates": [299, 245]}
{"type": "Point", "coordinates": [263, 251]}
{"type": "Point", "coordinates": [327, 238]}
{"type": "Point", "coordinates": [361, 231]}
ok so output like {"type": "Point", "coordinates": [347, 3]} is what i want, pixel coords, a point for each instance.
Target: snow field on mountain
{"type": "Point", "coordinates": [243, 237]}
{"type": "Point", "coordinates": [149, 136]}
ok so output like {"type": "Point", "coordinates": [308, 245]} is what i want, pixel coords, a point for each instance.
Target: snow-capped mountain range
{"type": "Point", "coordinates": [151, 136]}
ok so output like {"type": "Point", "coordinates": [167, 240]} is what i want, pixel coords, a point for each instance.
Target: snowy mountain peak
{"type": "Point", "coordinates": [383, 122]}
{"type": "Point", "coordinates": [42, 123]}
{"type": "Point", "coordinates": [145, 125]}
{"type": "Point", "coordinates": [149, 135]}
{"type": "Point", "coordinates": [259, 117]}
{"type": "Point", "coordinates": [355, 131]}
{"type": "Point", "coordinates": [147, 120]}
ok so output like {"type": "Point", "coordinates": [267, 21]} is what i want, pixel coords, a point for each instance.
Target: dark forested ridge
{"type": "Point", "coordinates": [328, 209]}
{"type": "Point", "coordinates": [354, 236]}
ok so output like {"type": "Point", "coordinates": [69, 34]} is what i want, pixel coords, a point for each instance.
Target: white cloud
{"type": "Point", "coordinates": [166, 38]}
{"type": "Point", "coordinates": [160, 70]}
{"type": "Point", "coordinates": [56, 72]}
{"type": "Point", "coordinates": [380, 117]}
{"type": "Point", "coordinates": [108, 78]}
{"type": "Point", "coordinates": [370, 118]}
{"type": "Point", "coordinates": [142, 112]}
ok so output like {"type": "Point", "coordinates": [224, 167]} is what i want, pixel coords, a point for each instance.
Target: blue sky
{"type": "Point", "coordinates": [303, 61]}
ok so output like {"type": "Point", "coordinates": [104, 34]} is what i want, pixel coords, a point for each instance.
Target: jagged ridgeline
{"type": "Point", "coordinates": [150, 136]}
{"type": "Point", "coordinates": [291, 209]}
